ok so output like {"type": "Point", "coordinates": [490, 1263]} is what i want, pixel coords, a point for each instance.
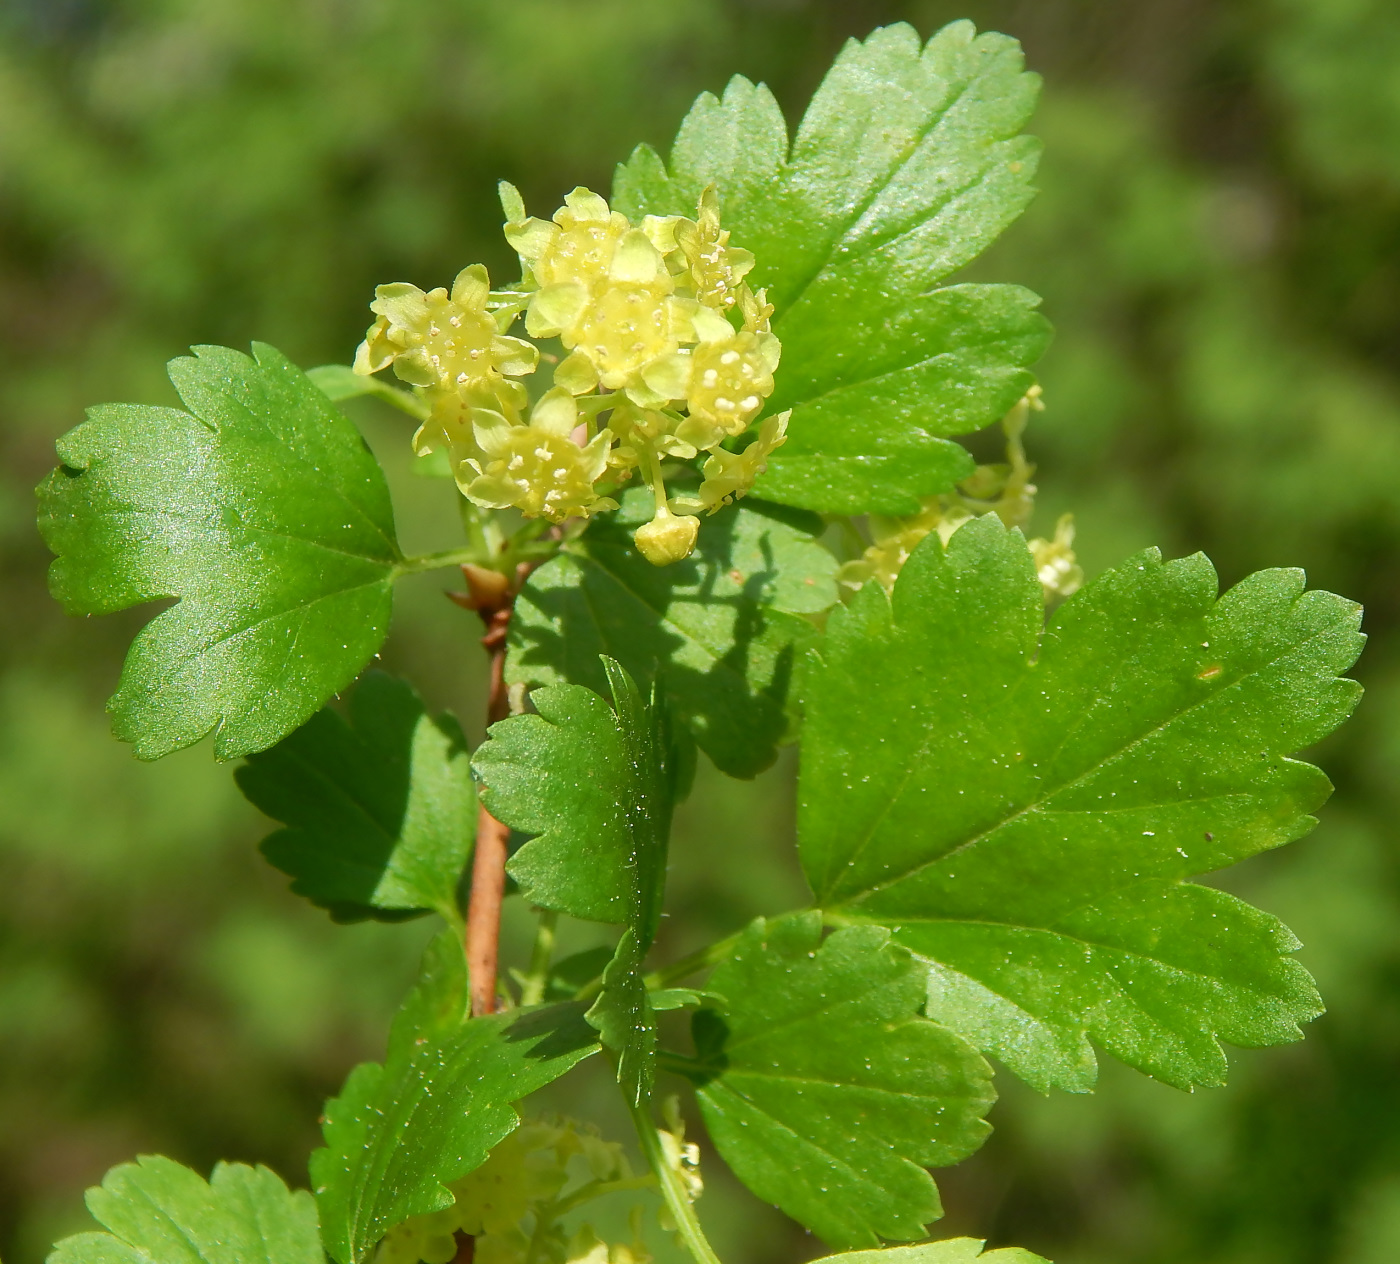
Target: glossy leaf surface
{"type": "Point", "coordinates": [443, 1097]}
{"type": "Point", "coordinates": [907, 164]}
{"type": "Point", "coordinates": [597, 785]}
{"type": "Point", "coordinates": [826, 1091]}
{"type": "Point", "coordinates": [158, 1212]}
{"type": "Point", "coordinates": [1023, 807]}
{"type": "Point", "coordinates": [262, 511]}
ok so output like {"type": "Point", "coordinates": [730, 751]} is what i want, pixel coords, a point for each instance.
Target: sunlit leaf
{"type": "Point", "coordinates": [825, 1089]}
{"type": "Point", "coordinates": [262, 511]}
{"type": "Point", "coordinates": [158, 1212]}
{"type": "Point", "coordinates": [907, 164]}
{"type": "Point", "coordinates": [1023, 807]}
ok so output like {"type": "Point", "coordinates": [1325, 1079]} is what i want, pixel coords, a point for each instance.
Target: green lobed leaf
{"type": "Point", "coordinates": [725, 624]}
{"type": "Point", "coordinates": [158, 1212]}
{"type": "Point", "coordinates": [262, 511]}
{"type": "Point", "coordinates": [380, 811]}
{"type": "Point", "coordinates": [826, 1090]}
{"type": "Point", "coordinates": [401, 1131]}
{"type": "Point", "coordinates": [597, 786]}
{"type": "Point", "coordinates": [949, 1251]}
{"type": "Point", "coordinates": [907, 164]}
{"type": "Point", "coordinates": [1023, 805]}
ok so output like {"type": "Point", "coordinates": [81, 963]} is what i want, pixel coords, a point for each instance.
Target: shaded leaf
{"type": "Point", "coordinates": [907, 164]}
{"type": "Point", "coordinates": [380, 811]}
{"type": "Point", "coordinates": [725, 623]}
{"type": "Point", "coordinates": [826, 1091]}
{"type": "Point", "coordinates": [158, 1212]}
{"type": "Point", "coordinates": [1023, 806]}
{"type": "Point", "coordinates": [263, 512]}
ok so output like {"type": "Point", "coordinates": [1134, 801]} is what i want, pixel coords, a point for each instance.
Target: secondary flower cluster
{"type": "Point", "coordinates": [669, 355]}
{"type": "Point", "coordinates": [521, 1182]}
{"type": "Point", "coordinates": [1005, 490]}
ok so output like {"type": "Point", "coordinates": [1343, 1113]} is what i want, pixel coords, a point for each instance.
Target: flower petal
{"type": "Point", "coordinates": [586, 205]}
{"type": "Point", "coordinates": [576, 374]}
{"type": "Point", "coordinates": [555, 309]}
{"type": "Point", "coordinates": [669, 375]}
{"type": "Point", "coordinates": [514, 355]}
{"type": "Point", "coordinates": [636, 260]}
{"type": "Point", "coordinates": [555, 413]}
{"type": "Point", "coordinates": [471, 287]}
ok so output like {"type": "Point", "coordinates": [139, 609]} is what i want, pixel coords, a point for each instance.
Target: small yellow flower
{"type": "Point", "coordinates": [1056, 566]}
{"type": "Point", "coordinates": [577, 247]}
{"type": "Point", "coordinates": [441, 341]}
{"type": "Point", "coordinates": [714, 267]}
{"type": "Point", "coordinates": [538, 468]}
{"type": "Point", "coordinates": [756, 310]}
{"type": "Point", "coordinates": [448, 427]}
{"type": "Point", "coordinates": [895, 540]}
{"type": "Point", "coordinates": [729, 475]}
{"type": "Point", "coordinates": [731, 374]}
{"type": "Point", "coordinates": [637, 429]}
{"type": "Point", "coordinates": [626, 325]}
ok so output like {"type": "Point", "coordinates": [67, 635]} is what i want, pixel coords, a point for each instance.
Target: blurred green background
{"type": "Point", "coordinates": [1218, 242]}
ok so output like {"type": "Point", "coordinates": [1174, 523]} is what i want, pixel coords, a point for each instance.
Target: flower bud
{"type": "Point", "coordinates": [667, 538]}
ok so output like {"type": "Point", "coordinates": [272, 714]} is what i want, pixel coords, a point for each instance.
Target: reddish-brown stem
{"type": "Point", "coordinates": [466, 1248]}
{"type": "Point", "coordinates": [493, 598]}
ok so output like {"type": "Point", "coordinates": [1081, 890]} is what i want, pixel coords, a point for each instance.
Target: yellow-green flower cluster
{"type": "Point", "coordinates": [669, 355]}
{"type": "Point", "coordinates": [1005, 490]}
{"type": "Point", "coordinates": [506, 1204]}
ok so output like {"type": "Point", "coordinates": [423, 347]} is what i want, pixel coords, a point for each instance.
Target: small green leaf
{"type": "Point", "coordinates": [725, 624]}
{"type": "Point", "coordinates": [263, 512]}
{"type": "Point", "coordinates": [380, 811]}
{"type": "Point", "coordinates": [1024, 805]}
{"type": "Point", "coordinates": [823, 1087]}
{"type": "Point", "coordinates": [597, 786]}
{"type": "Point", "coordinates": [159, 1212]}
{"type": "Point", "coordinates": [684, 998]}
{"type": "Point", "coordinates": [400, 1132]}
{"type": "Point", "coordinates": [562, 775]}
{"type": "Point", "coordinates": [949, 1251]}
{"type": "Point", "coordinates": [907, 164]}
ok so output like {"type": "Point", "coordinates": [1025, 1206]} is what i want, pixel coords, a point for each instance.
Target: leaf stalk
{"type": "Point", "coordinates": [672, 1189]}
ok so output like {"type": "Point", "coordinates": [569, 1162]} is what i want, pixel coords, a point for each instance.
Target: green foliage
{"type": "Point", "coordinates": [906, 166]}
{"type": "Point", "coordinates": [263, 512]}
{"type": "Point", "coordinates": [1025, 809]}
{"type": "Point", "coordinates": [380, 810]}
{"type": "Point", "coordinates": [725, 623]}
{"type": "Point", "coordinates": [401, 1131]}
{"type": "Point", "coordinates": [158, 1212]}
{"type": "Point", "coordinates": [823, 1087]}
{"type": "Point", "coordinates": [598, 787]}
{"type": "Point", "coordinates": [998, 817]}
